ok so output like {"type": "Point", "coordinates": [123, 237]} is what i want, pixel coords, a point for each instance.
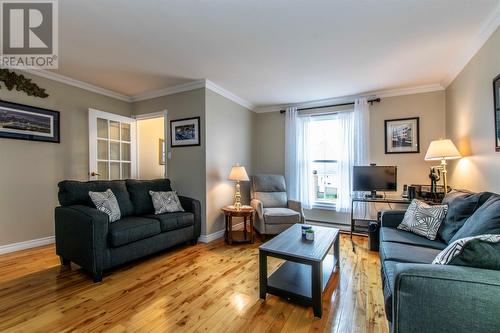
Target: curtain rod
{"type": "Point", "coordinates": [371, 101]}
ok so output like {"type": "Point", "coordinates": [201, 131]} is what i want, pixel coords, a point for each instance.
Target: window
{"type": "Point", "coordinates": [323, 141]}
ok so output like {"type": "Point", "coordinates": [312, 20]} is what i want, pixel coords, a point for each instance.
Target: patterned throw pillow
{"type": "Point", "coordinates": [423, 219]}
{"type": "Point", "coordinates": [481, 251]}
{"type": "Point", "coordinates": [106, 202]}
{"type": "Point", "coordinates": [166, 202]}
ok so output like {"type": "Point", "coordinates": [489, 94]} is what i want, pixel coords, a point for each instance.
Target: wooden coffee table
{"type": "Point", "coordinates": [308, 266]}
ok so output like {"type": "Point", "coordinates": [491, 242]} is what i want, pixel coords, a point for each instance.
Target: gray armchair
{"type": "Point", "coordinates": [274, 212]}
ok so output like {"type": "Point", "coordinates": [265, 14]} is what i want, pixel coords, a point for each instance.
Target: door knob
{"type": "Point", "coordinates": [93, 174]}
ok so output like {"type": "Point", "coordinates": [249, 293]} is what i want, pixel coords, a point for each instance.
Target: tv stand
{"type": "Point", "coordinates": [374, 195]}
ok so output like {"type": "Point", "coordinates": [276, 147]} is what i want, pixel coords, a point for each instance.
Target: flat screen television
{"type": "Point", "coordinates": [374, 178]}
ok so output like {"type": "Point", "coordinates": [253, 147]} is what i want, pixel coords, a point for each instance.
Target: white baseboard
{"type": "Point", "coordinates": [216, 235]}
{"type": "Point", "coordinates": [27, 244]}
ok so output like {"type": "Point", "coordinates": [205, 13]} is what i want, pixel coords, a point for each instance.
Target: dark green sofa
{"type": "Point", "coordinates": [85, 236]}
{"type": "Point", "coordinates": [421, 297]}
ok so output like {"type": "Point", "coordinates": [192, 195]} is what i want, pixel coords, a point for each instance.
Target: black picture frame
{"type": "Point", "coordinates": [407, 147]}
{"type": "Point", "coordinates": [193, 137]}
{"type": "Point", "coordinates": [496, 110]}
{"type": "Point", "coordinates": [13, 117]}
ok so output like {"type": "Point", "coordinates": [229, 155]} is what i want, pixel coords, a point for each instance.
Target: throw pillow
{"type": "Point", "coordinates": [422, 219]}
{"type": "Point", "coordinates": [461, 205]}
{"type": "Point", "coordinates": [481, 251]}
{"type": "Point", "coordinates": [166, 202]}
{"type": "Point", "coordinates": [106, 202]}
{"type": "Point", "coordinates": [485, 220]}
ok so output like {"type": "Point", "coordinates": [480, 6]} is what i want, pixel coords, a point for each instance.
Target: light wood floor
{"type": "Point", "coordinates": [208, 287]}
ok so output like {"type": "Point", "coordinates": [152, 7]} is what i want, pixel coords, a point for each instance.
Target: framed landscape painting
{"type": "Point", "coordinates": [185, 132]}
{"type": "Point", "coordinates": [402, 136]}
{"type": "Point", "coordinates": [25, 122]}
{"type": "Point", "coordinates": [496, 97]}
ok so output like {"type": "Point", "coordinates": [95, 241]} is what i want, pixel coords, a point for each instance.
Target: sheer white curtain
{"type": "Point", "coordinates": [297, 164]}
{"type": "Point", "coordinates": [354, 149]}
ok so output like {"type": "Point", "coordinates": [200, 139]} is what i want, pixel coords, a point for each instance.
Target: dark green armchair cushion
{"type": "Point", "coordinates": [485, 220]}
{"type": "Point", "coordinates": [139, 193]}
{"type": "Point", "coordinates": [72, 192]}
{"type": "Point", "coordinates": [461, 205]}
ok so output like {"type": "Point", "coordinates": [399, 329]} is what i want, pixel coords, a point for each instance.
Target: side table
{"type": "Point", "coordinates": [238, 236]}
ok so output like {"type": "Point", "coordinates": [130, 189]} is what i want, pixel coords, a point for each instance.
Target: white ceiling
{"type": "Point", "coordinates": [269, 52]}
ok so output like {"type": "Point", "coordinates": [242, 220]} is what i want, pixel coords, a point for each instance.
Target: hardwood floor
{"type": "Point", "coordinates": [203, 288]}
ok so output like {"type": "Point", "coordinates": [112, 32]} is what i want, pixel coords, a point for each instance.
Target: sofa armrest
{"type": "Point", "coordinates": [193, 206]}
{"type": "Point", "coordinates": [296, 206]}
{"type": "Point", "coordinates": [259, 208]}
{"type": "Point", "coordinates": [81, 237]}
{"type": "Point", "coordinates": [437, 298]}
{"type": "Point", "coordinates": [391, 218]}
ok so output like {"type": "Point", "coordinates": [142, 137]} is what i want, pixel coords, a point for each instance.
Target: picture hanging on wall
{"type": "Point", "coordinates": [25, 122]}
{"type": "Point", "coordinates": [496, 97]}
{"type": "Point", "coordinates": [185, 132]}
{"type": "Point", "coordinates": [402, 136]}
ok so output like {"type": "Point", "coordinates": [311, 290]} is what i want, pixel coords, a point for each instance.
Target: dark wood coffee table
{"type": "Point", "coordinates": [308, 266]}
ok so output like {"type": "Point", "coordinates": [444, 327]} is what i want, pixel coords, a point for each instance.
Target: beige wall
{"type": "Point", "coordinates": [149, 132]}
{"type": "Point", "coordinates": [430, 107]}
{"type": "Point", "coordinates": [470, 122]}
{"type": "Point", "coordinates": [229, 138]}
{"type": "Point", "coordinates": [186, 168]}
{"type": "Point", "coordinates": [30, 171]}
{"type": "Point", "coordinates": [270, 143]}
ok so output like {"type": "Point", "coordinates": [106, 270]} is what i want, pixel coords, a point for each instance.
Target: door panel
{"type": "Point", "coordinates": [112, 146]}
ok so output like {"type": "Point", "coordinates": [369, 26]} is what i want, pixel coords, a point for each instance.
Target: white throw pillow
{"type": "Point", "coordinates": [423, 219]}
{"type": "Point", "coordinates": [166, 202]}
{"type": "Point", "coordinates": [456, 248]}
{"type": "Point", "coordinates": [106, 202]}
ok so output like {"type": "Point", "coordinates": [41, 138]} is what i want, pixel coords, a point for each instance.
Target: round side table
{"type": "Point", "coordinates": [238, 236]}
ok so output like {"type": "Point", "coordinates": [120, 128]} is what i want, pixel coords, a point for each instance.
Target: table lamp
{"type": "Point", "coordinates": [442, 149]}
{"type": "Point", "coordinates": [238, 173]}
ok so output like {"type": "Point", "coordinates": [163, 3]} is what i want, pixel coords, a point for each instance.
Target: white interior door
{"type": "Point", "coordinates": [112, 146]}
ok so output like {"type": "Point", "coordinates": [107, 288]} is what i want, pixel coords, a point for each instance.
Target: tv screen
{"type": "Point", "coordinates": [374, 178]}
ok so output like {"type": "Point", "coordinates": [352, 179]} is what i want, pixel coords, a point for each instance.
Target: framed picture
{"type": "Point", "coordinates": [161, 150]}
{"type": "Point", "coordinates": [185, 132]}
{"type": "Point", "coordinates": [25, 122]}
{"type": "Point", "coordinates": [496, 97]}
{"type": "Point", "coordinates": [402, 136]}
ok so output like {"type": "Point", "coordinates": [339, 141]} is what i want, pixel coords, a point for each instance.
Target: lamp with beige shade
{"type": "Point", "coordinates": [443, 150]}
{"type": "Point", "coordinates": [238, 173]}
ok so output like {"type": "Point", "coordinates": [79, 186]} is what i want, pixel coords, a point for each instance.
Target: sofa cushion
{"type": "Point", "coordinates": [281, 216]}
{"type": "Point", "coordinates": [405, 237]}
{"type": "Point", "coordinates": [72, 192]}
{"type": "Point", "coordinates": [407, 253]}
{"type": "Point", "coordinates": [387, 273]}
{"type": "Point", "coordinates": [131, 229]}
{"type": "Point", "coordinates": [139, 193]}
{"type": "Point", "coordinates": [461, 205]}
{"type": "Point", "coordinates": [485, 220]}
{"type": "Point", "coordinates": [173, 221]}
{"type": "Point", "coordinates": [479, 251]}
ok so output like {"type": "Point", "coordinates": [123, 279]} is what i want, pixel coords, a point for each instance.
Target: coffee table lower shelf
{"type": "Point", "coordinates": [292, 280]}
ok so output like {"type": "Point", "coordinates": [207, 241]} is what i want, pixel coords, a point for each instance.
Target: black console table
{"type": "Point", "coordinates": [374, 200]}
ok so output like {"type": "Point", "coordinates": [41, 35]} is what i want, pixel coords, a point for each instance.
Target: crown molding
{"type": "Point", "coordinates": [229, 95]}
{"type": "Point", "coordinates": [485, 32]}
{"type": "Point", "coordinates": [77, 83]}
{"type": "Point", "coordinates": [349, 98]}
{"type": "Point", "coordinates": [168, 91]}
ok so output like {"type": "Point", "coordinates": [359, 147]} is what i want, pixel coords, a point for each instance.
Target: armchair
{"type": "Point", "coordinates": [274, 211]}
